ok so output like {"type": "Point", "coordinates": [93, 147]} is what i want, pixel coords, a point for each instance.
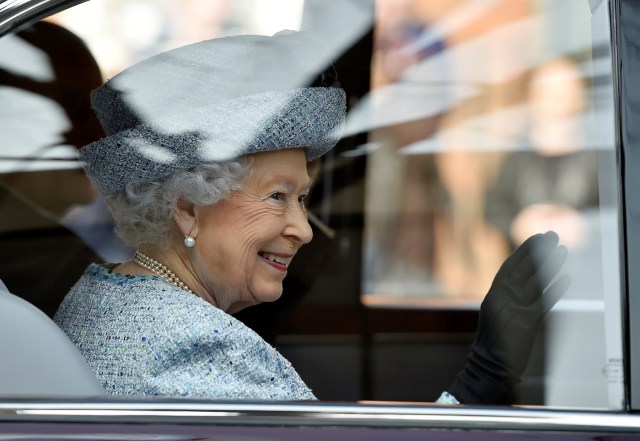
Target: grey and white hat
{"type": "Point", "coordinates": [212, 101]}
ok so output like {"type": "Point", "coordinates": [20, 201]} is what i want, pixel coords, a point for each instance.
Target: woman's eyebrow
{"type": "Point", "coordinates": [287, 182]}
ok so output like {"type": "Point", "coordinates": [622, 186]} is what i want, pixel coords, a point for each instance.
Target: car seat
{"type": "Point", "coordinates": [36, 358]}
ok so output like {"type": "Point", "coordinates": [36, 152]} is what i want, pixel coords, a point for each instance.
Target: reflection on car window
{"type": "Point", "coordinates": [470, 128]}
{"type": "Point", "coordinates": [47, 73]}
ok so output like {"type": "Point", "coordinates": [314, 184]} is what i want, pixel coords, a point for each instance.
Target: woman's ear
{"type": "Point", "coordinates": [186, 218]}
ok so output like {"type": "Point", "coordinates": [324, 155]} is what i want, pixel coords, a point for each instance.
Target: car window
{"type": "Point", "coordinates": [471, 125]}
{"type": "Point", "coordinates": [492, 121]}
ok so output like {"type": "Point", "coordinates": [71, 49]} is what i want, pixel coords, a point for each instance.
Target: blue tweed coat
{"type": "Point", "coordinates": [143, 336]}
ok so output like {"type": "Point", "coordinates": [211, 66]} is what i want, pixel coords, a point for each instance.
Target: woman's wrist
{"type": "Point", "coordinates": [447, 398]}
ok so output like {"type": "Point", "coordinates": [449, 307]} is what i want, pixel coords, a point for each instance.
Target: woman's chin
{"type": "Point", "coordinates": [270, 293]}
{"type": "Point", "coordinates": [265, 297]}
{"type": "Point", "coordinates": [270, 297]}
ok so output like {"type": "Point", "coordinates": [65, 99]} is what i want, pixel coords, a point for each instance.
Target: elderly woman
{"type": "Point", "coordinates": [205, 171]}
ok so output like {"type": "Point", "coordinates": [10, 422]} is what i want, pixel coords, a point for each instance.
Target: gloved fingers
{"type": "Point", "coordinates": [538, 251]}
{"type": "Point", "coordinates": [514, 284]}
{"type": "Point", "coordinates": [550, 268]}
{"type": "Point", "coordinates": [553, 293]}
{"type": "Point", "coordinates": [547, 270]}
{"type": "Point", "coordinates": [522, 252]}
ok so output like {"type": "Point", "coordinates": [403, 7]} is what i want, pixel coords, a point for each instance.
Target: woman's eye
{"type": "Point", "coordinates": [302, 200]}
{"type": "Point", "coordinates": [277, 196]}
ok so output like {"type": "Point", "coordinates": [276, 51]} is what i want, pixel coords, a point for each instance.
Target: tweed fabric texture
{"type": "Point", "coordinates": [212, 101]}
{"type": "Point", "coordinates": [145, 337]}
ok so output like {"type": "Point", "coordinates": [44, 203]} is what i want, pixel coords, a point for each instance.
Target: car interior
{"type": "Point", "coordinates": [39, 360]}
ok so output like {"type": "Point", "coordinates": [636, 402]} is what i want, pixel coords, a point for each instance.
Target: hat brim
{"type": "Point", "coordinates": [310, 118]}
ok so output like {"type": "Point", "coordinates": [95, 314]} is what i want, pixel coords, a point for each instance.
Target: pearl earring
{"type": "Point", "coordinates": [189, 241]}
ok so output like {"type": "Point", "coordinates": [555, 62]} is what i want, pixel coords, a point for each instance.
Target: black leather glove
{"type": "Point", "coordinates": [511, 313]}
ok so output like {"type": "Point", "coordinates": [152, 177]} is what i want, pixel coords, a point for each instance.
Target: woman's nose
{"type": "Point", "coordinates": [298, 226]}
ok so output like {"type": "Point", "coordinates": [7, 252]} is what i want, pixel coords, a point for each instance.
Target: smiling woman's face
{"type": "Point", "coordinates": [246, 242]}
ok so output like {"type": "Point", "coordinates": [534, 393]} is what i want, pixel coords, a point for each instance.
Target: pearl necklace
{"type": "Point", "coordinates": [159, 269]}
